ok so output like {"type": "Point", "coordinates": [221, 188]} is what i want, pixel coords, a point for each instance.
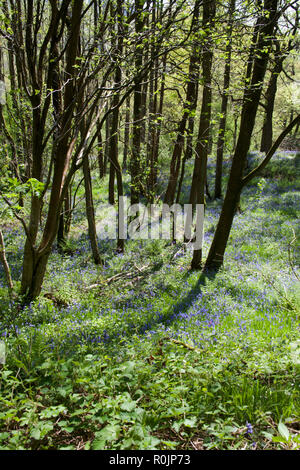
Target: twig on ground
{"type": "Point", "coordinates": [181, 343]}
{"type": "Point", "coordinates": [119, 276]}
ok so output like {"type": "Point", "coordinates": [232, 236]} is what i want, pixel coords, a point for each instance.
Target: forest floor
{"type": "Point", "coordinates": [144, 353]}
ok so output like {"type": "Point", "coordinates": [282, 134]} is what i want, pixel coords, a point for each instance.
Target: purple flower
{"type": "Point", "coordinates": [249, 428]}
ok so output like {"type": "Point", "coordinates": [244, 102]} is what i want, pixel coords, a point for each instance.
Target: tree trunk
{"type": "Point", "coordinates": [222, 126]}
{"type": "Point", "coordinates": [135, 161]}
{"type": "Point", "coordinates": [126, 133]}
{"type": "Point", "coordinates": [156, 139]}
{"type": "Point", "coordinates": [35, 259]}
{"type": "Point", "coordinates": [100, 153]}
{"type": "Point", "coordinates": [197, 195]}
{"type": "Point", "coordinates": [113, 155]}
{"type": "Point", "coordinates": [267, 132]}
{"type": "Point", "coordinates": [90, 211]}
{"type": "Point", "coordinates": [107, 141]}
{"type": "Point", "coordinates": [153, 88]}
{"type": "Point", "coordinates": [251, 101]}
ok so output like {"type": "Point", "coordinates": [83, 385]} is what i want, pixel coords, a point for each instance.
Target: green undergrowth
{"type": "Point", "coordinates": [143, 353]}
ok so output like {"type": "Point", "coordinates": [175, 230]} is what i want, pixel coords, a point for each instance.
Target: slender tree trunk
{"type": "Point", "coordinates": [251, 100]}
{"type": "Point", "coordinates": [153, 87]}
{"type": "Point", "coordinates": [156, 139]}
{"type": "Point", "coordinates": [126, 133]}
{"type": "Point", "coordinates": [135, 161]}
{"type": "Point", "coordinates": [100, 153]}
{"type": "Point", "coordinates": [107, 140]}
{"type": "Point", "coordinates": [175, 162]}
{"type": "Point", "coordinates": [61, 232]}
{"type": "Point", "coordinates": [113, 155]}
{"type": "Point", "coordinates": [267, 132]}
{"type": "Point", "coordinates": [68, 211]}
{"type": "Point", "coordinates": [222, 126]}
{"type": "Point", "coordinates": [90, 211]}
{"type": "Point", "coordinates": [57, 110]}
{"type": "Point", "coordinates": [197, 195]}
{"type": "Point", "coordinates": [144, 89]}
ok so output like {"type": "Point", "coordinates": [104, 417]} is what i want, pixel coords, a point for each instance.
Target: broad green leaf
{"type": "Point", "coordinates": [283, 431]}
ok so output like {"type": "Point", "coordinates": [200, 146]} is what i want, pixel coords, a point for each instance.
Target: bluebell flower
{"type": "Point", "coordinates": [249, 428]}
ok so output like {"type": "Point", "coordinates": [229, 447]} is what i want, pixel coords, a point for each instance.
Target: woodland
{"type": "Point", "coordinates": [124, 340]}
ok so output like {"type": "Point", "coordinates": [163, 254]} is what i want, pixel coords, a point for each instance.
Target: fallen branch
{"type": "Point", "coordinates": [181, 343]}
{"type": "Point", "coordinates": [119, 276]}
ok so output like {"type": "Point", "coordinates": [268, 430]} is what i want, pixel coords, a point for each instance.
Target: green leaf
{"type": "Point", "coordinates": [283, 431]}
{"type": "Point", "coordinates": [190, 422]}
{"type": "Point", "coordinates": [53, 411]}
{"type": "Point", "coordinates": [176, 426]}
{"type": "Point", "coordinates": [36, 434]}
{"type": "Point", "coordinates": [128, 405]}
{"type": "Point", "coordinates": [98, 444]}
{"type": "Point", "coordinates": [278, 439]}
{"type": "Point", "coordinates": [110, 433]}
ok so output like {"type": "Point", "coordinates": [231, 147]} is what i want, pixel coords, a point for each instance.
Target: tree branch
{"type": "Point", "coordinates": [271, 152]}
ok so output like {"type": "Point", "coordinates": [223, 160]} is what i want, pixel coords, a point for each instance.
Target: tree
{"type": "Point", "coordinates": [267, 21]}
{"type": "Point", "coordinates": [224, 104]}
{"type": "Point", "coordinates": [197, 194]}
{"type": "Point", "coordinates": [280, 54]}
{"type": "Point", "coordinates": [189, 107]}
{"type": "Point", "coordinates": [135, 161]}
{"type": "Point", "coordinates": [79, 92]}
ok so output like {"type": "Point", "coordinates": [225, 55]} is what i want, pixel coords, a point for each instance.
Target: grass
{"type": "Point", "coordinates": [165, 358]}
